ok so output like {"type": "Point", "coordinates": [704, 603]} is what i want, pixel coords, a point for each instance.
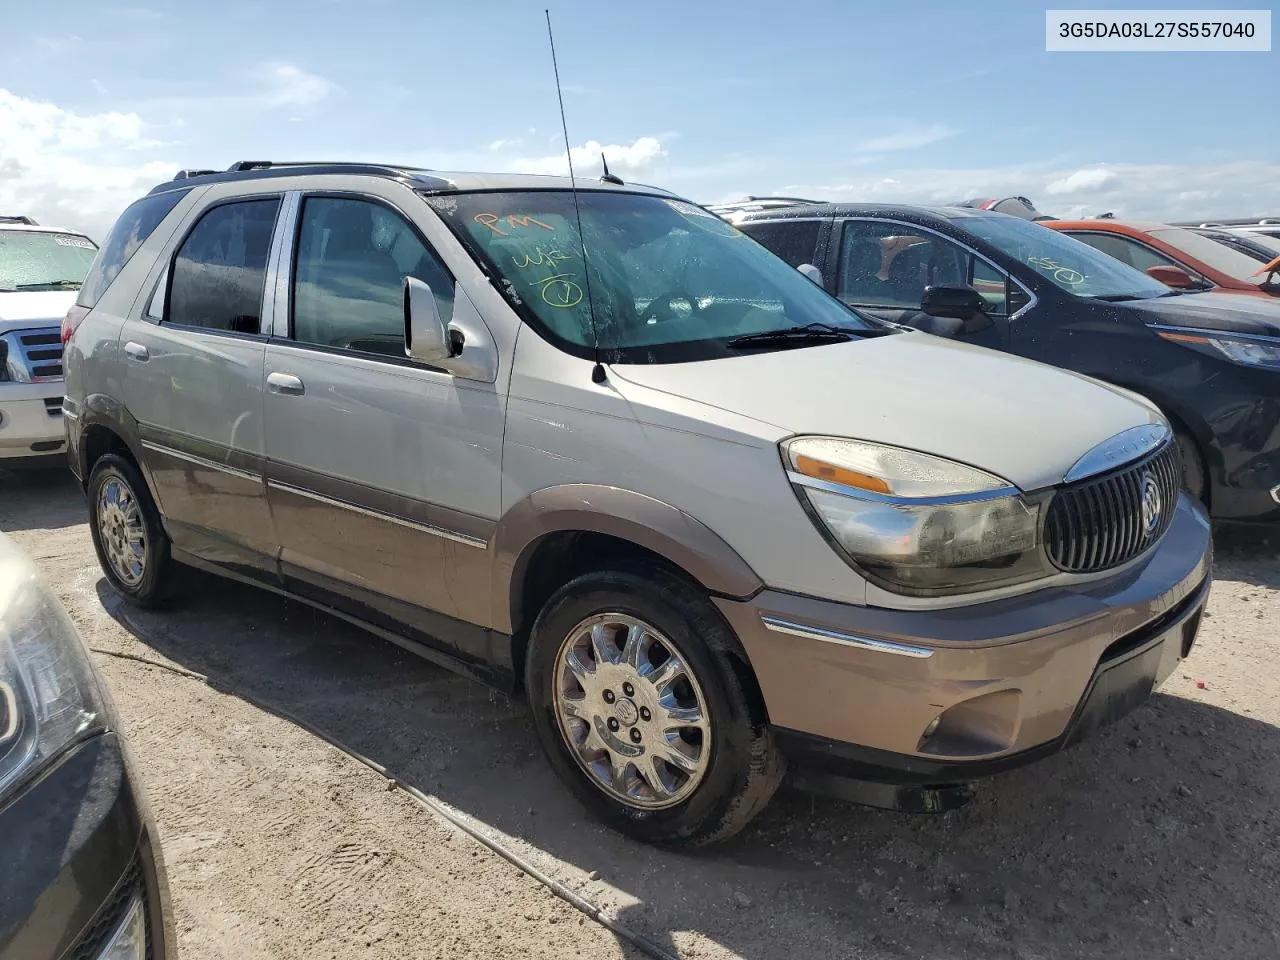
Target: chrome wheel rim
{"type": "Point", "coordinates": [631, 711]}
{"type": "Point", "coordinates": [124, 538]}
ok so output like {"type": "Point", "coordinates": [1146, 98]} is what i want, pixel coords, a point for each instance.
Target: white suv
{"type": "Point", "coordinates": [41, 268]}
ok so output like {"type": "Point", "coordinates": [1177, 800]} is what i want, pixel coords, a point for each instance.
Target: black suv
{"type": "Point", "coordinates": [1210, 360]}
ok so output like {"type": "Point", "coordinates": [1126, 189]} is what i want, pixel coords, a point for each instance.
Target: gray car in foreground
{"type": "Point", "coordinates": [80, 870]}
{"type": "Point", "coordinates": [601, 445]}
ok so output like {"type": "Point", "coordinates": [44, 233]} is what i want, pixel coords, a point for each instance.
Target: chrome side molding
{"type": "Point", "coordinates": [778, 625]}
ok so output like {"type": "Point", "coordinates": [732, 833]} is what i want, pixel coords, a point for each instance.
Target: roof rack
{"type": "Point", "coordinates": [18, 218]}
{"type": "Point", "coordinates": [242, 165]}
{"type": "Point", "coordinates": [251, 169]}
{"type": "Point", "coordinates": [773, 201]}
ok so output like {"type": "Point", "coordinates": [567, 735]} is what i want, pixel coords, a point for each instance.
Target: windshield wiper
{"type": "Point", "coordinates": [60, 284]}
{"type": "Point", "coordinates": [809, 333]}
{"type": "Point", "coordinates": [1123, 297]}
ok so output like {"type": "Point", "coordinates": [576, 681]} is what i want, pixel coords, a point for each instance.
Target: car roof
{"type": "Point", "coordinates": [1112, 225]}
{"type": "Point", "coordinates": [436, 181]}
{"type": "Point", "coordinates": [891, 211]}
{"type": "Point", "coordinates": [8, 223]}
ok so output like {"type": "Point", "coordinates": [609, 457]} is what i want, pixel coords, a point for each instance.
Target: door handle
{"type": "Point", "coordinates": [285, 383]}
{"type": "Point", "coordinates": [136, 351]}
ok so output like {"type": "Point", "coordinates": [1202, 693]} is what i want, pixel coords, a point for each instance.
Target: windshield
{"type": "Point", "coordinates": [666, 281]}
{"type": "Point", "coordinates": [35, 260]}
{"type": "Point", "coordinates": [1074, 266]}
{"type": "Point", "coordinates": [1211, 253]}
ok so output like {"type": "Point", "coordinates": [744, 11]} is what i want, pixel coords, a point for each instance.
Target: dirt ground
{"type": "Point", "coordinates": [1161, 837]}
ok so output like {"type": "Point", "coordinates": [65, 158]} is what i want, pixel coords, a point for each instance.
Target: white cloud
{"type": "Point", "coordinates": [1148, 191]}
{"type": "Point", "coordinates": [624, 159]}
{"type": "Point", "coordinates": [74, 170]}
{"type": "Point", "coordinates": [1092, 180]}
{"type": "Point", "coordinates": [906, 138]}
{"type": "Point", "coordinates": [289, 85]}
{"type": "Point", "coordinates": [497, 145]}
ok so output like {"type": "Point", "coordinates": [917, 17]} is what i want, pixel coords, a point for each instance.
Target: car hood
{"type": "Point", "coordinates": [1027, 422]}
{"type": "Point", "coordinates": [21, 310]}
{"type": "Point", "coordinates": [1228, 312]}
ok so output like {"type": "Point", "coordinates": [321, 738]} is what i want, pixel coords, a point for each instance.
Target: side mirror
{"type": "Point", "coordinates": [959, 303]}
{"type": "Point", "coordinates": [426, 338]}
{"type": "Point", "coordinates": [1174, 277]}
{"type": "Point", "coordinates": [812, 272]}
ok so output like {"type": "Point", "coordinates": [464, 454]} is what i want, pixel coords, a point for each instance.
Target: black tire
{"type": "Point", "coordinates": [1195, 478]}
{"type": "Point", "coordinates": [745, 766]}
{"type": "Point", "coordinates": [157, 577]}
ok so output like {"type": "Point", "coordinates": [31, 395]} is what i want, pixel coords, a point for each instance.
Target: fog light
{"type": "Point", "coordinates": [129, 942]}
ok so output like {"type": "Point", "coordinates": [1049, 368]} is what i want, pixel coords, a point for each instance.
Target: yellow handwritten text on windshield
{"type": "Point", "coordinates": [511, 222]}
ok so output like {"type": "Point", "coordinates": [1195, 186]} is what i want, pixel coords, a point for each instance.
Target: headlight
{"type": "Point", "coordinates": [914, 522]}
{"type": "Point", "coordinates": [1253, 351]}
{"type": "Point", "coordinates": [49, 697]}
{"type": "Point", "coordinates": [129, 942]}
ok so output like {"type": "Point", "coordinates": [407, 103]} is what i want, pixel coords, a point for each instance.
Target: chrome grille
{"type": "Point", "coordinates": [1107, 520]}
{"type": "Point", "coordinates": [33, 356]}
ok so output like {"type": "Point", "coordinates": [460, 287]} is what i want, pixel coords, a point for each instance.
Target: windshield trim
{"type": "Point", "coordinates": [683, 351]}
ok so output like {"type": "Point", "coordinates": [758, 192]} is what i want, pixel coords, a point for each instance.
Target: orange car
{"type": "Point", "coordinates": [1176, 257]}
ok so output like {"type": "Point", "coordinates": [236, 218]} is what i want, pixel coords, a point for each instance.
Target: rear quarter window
{"type": "Point", "coordinates": [130, 231]}
{"type": "Point", "coordinates": [795, 241]}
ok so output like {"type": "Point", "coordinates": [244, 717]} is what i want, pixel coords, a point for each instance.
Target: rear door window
{"type": "Point", "coordinates": [130, 231]}
{"type": "Point", "coordinates": [220, 271]}
{"type": "Point", "coordinates": [795, 241]}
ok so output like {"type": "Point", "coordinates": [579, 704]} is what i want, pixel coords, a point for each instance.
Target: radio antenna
{"type": "Point", "coordinates": [597, 372]}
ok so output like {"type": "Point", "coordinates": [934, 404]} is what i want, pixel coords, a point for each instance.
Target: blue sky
{"type": "Point", "coordinates": [885, 101]}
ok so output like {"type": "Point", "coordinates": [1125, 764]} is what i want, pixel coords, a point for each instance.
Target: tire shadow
{"type": "Point", "coordinates": [40, 499]}
{"type": "Point", "coordinates": [1247, 552]}
{"type": "Point", "coordinates": [1157, 838]}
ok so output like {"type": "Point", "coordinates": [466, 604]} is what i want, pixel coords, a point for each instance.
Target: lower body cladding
{"type": "Point", "coordinates": [80, 876]}
{"type": "Point", "coordinates": [31, 431]}
{"type": "Point", "coordinates": [903, 708]}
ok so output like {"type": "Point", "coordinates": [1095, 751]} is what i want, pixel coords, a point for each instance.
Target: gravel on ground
{"type": "Point", "coordinates": [1159, 837]}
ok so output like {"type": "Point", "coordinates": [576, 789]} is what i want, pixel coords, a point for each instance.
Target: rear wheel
{"type": "Point", "coordinates": [640, 711]}
{"type": "Point", "coordinates": [128, 537]}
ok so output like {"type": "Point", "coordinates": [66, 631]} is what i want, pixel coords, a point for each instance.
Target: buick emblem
{"type": "Point", "coordinates": [1152, 505]}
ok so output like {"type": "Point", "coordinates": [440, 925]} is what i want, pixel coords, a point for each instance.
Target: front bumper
{"type": "Point", "coordinates": [76, 849]}
{"type": "Point", "coordinates": [31, 422]}
{"type": "Point", "coordinates": [856, 691]}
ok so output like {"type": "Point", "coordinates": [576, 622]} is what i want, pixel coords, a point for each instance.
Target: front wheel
{"type": "Point", "coordinates": [640, 710]}
{"type": "Point", "coordinates": [128, 537]}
